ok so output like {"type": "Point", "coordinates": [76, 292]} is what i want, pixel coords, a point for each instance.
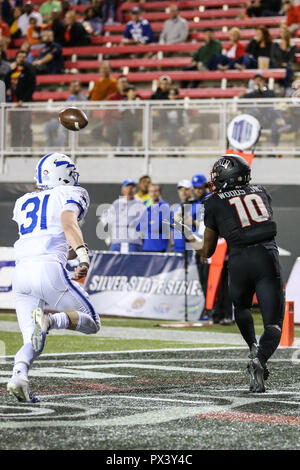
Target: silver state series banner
{"type": "Point", "coordinates": [144, 285]}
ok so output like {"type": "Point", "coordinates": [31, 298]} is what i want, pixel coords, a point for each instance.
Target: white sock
{"type": "Point", "coordinates": [20, 369]}
{"type": "Point", "coordinates": [59, 321]}
{"type": "Point", "coordinates": [25, 355]}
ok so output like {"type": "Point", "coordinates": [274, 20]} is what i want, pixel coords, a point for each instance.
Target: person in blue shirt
{"type": "Point", "coordinates": [138, 30]}
{"type": "Point", "coordinates": [201, 193]}
{"type": "Point", "coordinates": [156, 234]}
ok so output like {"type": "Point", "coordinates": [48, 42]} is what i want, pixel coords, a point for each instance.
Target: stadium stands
{"type": "Point", "coordinates": [82, 62]}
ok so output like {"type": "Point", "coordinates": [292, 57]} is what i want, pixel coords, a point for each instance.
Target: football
{"type": "Point", "coordinates": [73, 119]}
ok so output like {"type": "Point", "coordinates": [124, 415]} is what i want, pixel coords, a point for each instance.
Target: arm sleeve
{"type": "Point", "coordinates": [75, 199]}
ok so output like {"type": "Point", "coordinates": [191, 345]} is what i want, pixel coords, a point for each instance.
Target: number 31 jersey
{"type": "Point", "coordinates": [38, 217]}
{"type": "Point", "coordinates": [243, 216]}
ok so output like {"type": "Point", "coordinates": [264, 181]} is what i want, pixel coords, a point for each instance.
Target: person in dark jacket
{"type": "Point", "coordinates": [58, 27]}
{"type": "Point", "coordinates": [260, 46]}
{"type": "Point", "coordinates": [257, 8]}
{"type": "Point", "coordinates": [268, 117]}
{"type": "Point", "coordinates": [50, 60]}
{"type": "Point", "coordinates": [20, 84]}
{"type": "Point", "coordinates": [283, 55]}
{"type": "Point", "coordinates": [162, 91]}
{"type": "Point", "coordinates": [75, 34]}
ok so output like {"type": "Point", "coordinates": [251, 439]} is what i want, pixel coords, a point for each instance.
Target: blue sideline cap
{"type": "Point", "coordinates": [128, 182]}
{"type": "Point", "coordinates": [199, 180]}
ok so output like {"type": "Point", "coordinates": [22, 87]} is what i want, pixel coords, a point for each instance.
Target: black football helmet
{"type": "Point", "coordinates": [230, 171]}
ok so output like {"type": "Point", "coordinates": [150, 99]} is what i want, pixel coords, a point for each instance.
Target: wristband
{"type": "Point", "coordinates": [83, 256]}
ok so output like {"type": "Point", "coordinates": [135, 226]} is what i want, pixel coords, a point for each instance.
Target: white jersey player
{"type": "Point", "coordinates": [48, 226]}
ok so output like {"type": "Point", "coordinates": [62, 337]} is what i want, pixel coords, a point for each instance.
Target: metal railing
{"type": "Point", "coordinates": [148, 128]}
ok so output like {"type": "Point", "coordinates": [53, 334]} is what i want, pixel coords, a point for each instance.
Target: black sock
{"type": "Point", "coordinates": [268, 343]}
{"type": "Point", "coordinates": [245, 323]}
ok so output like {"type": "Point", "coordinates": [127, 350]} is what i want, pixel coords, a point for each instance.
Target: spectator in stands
{"type": "Point", "coordinates": [24, 18]}
{"type": "Point", "coordinates": [75, 34]}
{"type": "Point", "coordinates": [175, 29]}
{"type": "Point", "coordinates": [58, 27]}
{"type": "Point", "coordinates": [34, 32]}
{"type": "Point", "coordinates": [121, 93]}
{"type": "Point", "coordinates": [4, 32]}
{"type": "Point", "coordinates": [112, 116]}
{"type": "Point", "coordinates": [109, 10]}
{"type": "Point", "coordinates": [20, 85]}
{"type": "Point", "coordinates": [143, 190]}
{"type": "Point", "coordinates": [184, 190]}
{"type": "Point", "coordinates": [47, 8]}
{"type": "Point", "coordinates": [50, 60]}
{"type": "Point", "coordinates": [201, 57]}
{"type": "Point", "coordinates": [263, 8]}
{"type": "Point", "coordinates": [162, 91]}
{"type": "Point", "coordinates": [65, 8]}
{"type": "Point", "coordinates": [15, 31]}
{"type": "Point", "coordinates": [260, 46]}
{"type": "Point", "coordinates": [283, 55]}
{"type": "Point", "coordinates": [292, 15]}
{"type": "Point", "coordinates": [122, 219]}
{"type": "Point", "coordinates": [131, 119]}
{"type": "Point", "coordinates": [92, 22]}
{"type": "Point", "coordinates": [138, 30]}
{"type": "Point", "coordinates": [4, 68]}
{"type": "Point", "coordinates": [269, 118]}
{"type": "Point", "coordinates": [233, 51]}
{"type": "Point", "coordinates": [175, 122]}
{"type": "Point", "coordinates": [25, 47]}
{"type": "Point", "coordinates": [97, 4]}
{"type": "Point", "coordinates": [105, 86]}
{"type": "Point", "coordinates": [56, 134]}
{"type": "Point", "coordinates": [156, 235]}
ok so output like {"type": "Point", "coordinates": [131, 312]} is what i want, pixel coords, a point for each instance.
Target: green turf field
{"type": "Point", "coordinates": [139, 386]}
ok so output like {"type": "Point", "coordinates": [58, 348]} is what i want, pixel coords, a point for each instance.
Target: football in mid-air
{"type": "Point", "coordinates": [73, 119]}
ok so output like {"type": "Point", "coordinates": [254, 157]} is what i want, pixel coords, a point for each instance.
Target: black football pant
{"type": "Point", "coordinates": [256, 269]}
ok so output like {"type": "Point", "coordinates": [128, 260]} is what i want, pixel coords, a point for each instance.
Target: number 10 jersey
{"type": "Point", "coordinates": [243, 216]}
{"type": "Point", "coordinates": [38, 216]}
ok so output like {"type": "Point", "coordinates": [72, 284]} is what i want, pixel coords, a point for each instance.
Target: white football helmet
{"type": "Point", "coordinates": [56, 169]}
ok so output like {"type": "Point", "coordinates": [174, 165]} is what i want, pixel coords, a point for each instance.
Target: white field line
{"type": "Point", "coordinates": [131, 351]}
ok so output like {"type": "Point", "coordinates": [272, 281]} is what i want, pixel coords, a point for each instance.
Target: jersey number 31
{"type": "Point", "coordinates": [33, 214]}
{"type": "Point", "coordinates": [251, 204]}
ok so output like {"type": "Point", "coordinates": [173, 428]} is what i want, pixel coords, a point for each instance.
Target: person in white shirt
{"type": "Point", "coordinates": [48, 225]}
{"type": "Point", "coordinates": [122, 219]}
{"type": "Point", "coordinates": [23, 21]}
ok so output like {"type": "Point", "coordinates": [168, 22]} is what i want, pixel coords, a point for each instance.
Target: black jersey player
{"type": "Point", "coordinates": [242, 214]}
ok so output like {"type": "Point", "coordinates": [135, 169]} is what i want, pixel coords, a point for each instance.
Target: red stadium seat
{"type": "Point", "coordinates": [175, 76]}
{"type": "Point", "coordinates": [145, 94]}
{"type": "Point", "coordinates": [183, 4]}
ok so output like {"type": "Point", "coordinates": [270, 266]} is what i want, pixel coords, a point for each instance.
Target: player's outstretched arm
{"type": "Point", "coordinates": [209, 244]}
{"type": "Point", "coordinates": [75, 239]}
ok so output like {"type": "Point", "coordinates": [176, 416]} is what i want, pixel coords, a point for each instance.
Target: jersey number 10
{"type": "Point", "coordinates": [255, 206]}
{"type": "Point", "coordinates": [32, 214]}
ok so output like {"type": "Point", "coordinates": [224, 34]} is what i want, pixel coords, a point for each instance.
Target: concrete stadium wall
{"type": "Point", "coordinates": [163, 170]}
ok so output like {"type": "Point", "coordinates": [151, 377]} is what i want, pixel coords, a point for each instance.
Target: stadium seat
{"type": "Point", "coordinates": [145, 94]}
{"type": "Point", "coordinates": [175, 76]}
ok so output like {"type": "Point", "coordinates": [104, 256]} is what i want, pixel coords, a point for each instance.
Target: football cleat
{"type": "Point", "coordinates": [42, 324]}
{"type": "Point", "coordinates": [18, 386]}
{"type": "Point", "coordinates": [256, 371]}
{"type": "Point", "coordinates": [253, 355]}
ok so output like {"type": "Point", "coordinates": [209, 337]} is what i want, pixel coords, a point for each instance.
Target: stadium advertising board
{"type": "Point", "coordinates": [143, 285]}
